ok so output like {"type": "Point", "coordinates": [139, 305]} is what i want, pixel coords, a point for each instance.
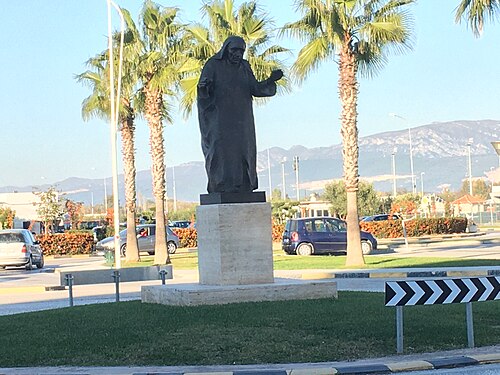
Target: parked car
{"type": "Point", "coordinates": [381, 217]}
{"type": "Point", "coordinates": [321, 235]}
{"type": "Point", "coordinates": [19, 248]}
{"type": "Point", "coordinates": [145, 239]}
{"type": "Point", "coordinates": [180, 224]}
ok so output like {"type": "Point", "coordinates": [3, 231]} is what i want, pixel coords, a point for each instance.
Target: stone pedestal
{"type": "Point", "coordinates": [235, 261]}
{"type": "Point", "coordinates": [235, 244]}
{"type": "Point", "coordinates": [196, 294]}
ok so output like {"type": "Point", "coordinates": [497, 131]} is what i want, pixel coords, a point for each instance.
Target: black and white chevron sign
{"type": "Point", "coordinates": [435, 292]}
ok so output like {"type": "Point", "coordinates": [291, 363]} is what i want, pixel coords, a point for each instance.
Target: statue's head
{"type": "Point", "coordinates": [233, 49]}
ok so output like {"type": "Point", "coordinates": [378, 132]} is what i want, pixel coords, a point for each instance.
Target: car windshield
{"type": "Point", "coordinates": [11, 237]}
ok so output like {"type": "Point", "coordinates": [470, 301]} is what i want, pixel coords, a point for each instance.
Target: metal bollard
{"type": "Point", "coordinates": [69, 282]}
{"type": "Point", "coordinates": [116, 275]}
{"type": "Point", "coordinates": [163, 274]}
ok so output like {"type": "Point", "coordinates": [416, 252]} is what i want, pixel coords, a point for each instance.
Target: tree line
{"type": "Point", "coordinates": [163, 58]}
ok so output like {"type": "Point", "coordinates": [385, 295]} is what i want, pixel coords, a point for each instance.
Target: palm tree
{"type": "Point", "coordinates": [98, 105]}
{"type": "Point", "coordinates": [248, 22]}
{"type": "Point", "coordinates": [160, 55]}
{"type": "Point", "coordinates": [357, 34]}
{"type": "Point", "coordinates": [476, 12]}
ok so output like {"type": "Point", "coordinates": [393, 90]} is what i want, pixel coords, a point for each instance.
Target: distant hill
{"type": "Point", "coordinates": [439, 151]}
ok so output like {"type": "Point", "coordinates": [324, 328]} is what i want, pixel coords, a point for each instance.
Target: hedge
{"type": "Point", "coordinates": [188, 237]}
{"type": "Point", "coordinates": [71, 243]}
{"type": "Point", "coordinates": [416, 227]}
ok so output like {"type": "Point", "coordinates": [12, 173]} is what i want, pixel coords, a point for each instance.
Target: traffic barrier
{"type": "Point", "coordinates": [124, 275]}
{"type": "Point", "coordinates": [442, 291]}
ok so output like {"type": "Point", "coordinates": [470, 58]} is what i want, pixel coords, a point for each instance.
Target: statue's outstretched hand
{"type": "Point", "coordinates": [276, 75]}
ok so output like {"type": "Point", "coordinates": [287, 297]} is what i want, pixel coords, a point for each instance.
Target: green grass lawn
{"type": "Point", "coordinates": [294, 262]}
{"type": "Point", "coordinates": [357, 325]}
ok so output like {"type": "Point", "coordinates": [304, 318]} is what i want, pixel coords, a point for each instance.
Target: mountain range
{"type": "Point", "coordinates": [440, 159]}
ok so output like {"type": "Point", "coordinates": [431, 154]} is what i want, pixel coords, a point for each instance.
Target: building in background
{"type": "Point", "coordinates": [25, 205]}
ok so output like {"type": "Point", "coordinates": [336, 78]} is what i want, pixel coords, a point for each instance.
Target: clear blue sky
{"type": "Point", "coordinates": [450, 75]}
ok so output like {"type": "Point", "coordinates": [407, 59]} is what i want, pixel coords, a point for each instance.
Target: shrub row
{"type": "Point", "coordinates": [188, 237]}
{"type": "Point", "coordinates": [416, 227]}
{"type": "Point", "coordinates": [278, 232]}
{"type": "Point", "coordinates": [66, 243]}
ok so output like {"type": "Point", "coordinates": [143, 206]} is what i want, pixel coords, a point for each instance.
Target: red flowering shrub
{"type": "Point", "coordinates": [416, 227]}
{"type": "Point", "coordinates": [188, 237]}
{"type": "Point", "coordinates": [67, 243]}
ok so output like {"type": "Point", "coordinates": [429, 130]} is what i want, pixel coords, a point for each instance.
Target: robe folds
{"type": "Point", "coordinates": [226, 120]}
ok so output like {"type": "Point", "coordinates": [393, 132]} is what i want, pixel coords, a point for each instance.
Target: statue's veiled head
{"type": "Point", "coordinates": [232, 49]}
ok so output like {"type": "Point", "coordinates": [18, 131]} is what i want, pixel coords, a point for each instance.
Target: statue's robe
{"type": "Point", "coordinates": [227, 124]}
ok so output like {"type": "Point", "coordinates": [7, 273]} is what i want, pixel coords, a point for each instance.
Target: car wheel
{"type": "Point", "coordinates": [305, 249]}
{"type": "Point", "coordinates": [29, 265]}
{"type": "Point", "coordinates": [41, 263]}
{"type": "Point", "coordinates": [366, 247]}
{"type": "Point", "coordinates": [171, 247]}
{"type": "Point", "coordinates": [123, 250]}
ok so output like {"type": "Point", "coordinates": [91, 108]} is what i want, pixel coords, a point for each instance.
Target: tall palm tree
{"type": "Point", "coordinates": [476, 12]}
{"type": "Point", "coordinates": [248, 22]}
{"type": "Point", "coordinates": [160, 54]}
{"type": "Point", "coordinates": [98, 105]}
{"type": "Point", "coordinates": [357, 34]}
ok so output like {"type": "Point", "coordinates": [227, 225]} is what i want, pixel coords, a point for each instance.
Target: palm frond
{"type": "Point", "coordinates": [476, 13]}
{"type": "Point", "coordinates": [310, 57]}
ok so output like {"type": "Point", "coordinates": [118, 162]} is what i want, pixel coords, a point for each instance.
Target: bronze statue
{"type": "Point", "coordinates": [225, 92]}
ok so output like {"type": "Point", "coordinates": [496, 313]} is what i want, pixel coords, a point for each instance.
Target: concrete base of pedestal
{"type": "Point", "coordinates": [196, 294]}
{"type": "Point", "coordinates": [235, 244]}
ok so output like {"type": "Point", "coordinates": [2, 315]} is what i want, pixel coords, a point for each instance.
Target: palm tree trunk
{"type": "Point", "coordinates": [348, 91]}
{"type": "Point", "coordinates": [153, 116]}
{"type": "Point", "coordinates": [128, 152]}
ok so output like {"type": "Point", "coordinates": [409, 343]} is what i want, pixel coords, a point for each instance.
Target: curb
{"type": "Point", "coordinates": [358, 369]}
{"type": "Point", "coordinates": [398, 274]}
{"type": "Point", "coordinates": [30, 289]}
{"type": "Point", "coordinates": [389, 367]}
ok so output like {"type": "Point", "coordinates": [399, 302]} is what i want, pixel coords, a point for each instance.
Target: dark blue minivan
{"type": "Point", "coordinates": [321, 235]}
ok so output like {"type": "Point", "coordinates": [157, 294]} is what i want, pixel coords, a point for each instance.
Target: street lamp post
{"type": "Point", "coordinates": [269, 173]}
{"type": "Point", "coordinates": [105, 198]}
{"type": "Point", "coordinates": [283, 177]}
{"type": "Point", "coordinates": [469, 144]}
{"type": "Point", "coordinates": [296, 169]}
{"type": "Point", "coordinates": [114, 109]}
{"type": "Point", "coordinates": [413, 183]}
{"type": "Point", "coordinates": [394, 192]}
{"type": "Point", "coordinates": [174, 189]}
{"type": "Point", "coordinates": [422, 182]}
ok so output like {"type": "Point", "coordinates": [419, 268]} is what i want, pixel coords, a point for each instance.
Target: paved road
{"type": "Point", "coordinates": [469, 370]}
{"type": "Point", "coordinates": [25, 290]}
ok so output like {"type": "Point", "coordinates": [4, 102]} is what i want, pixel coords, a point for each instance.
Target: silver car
{"type": "Point", "coordinates": [18, 248]}
{"type": "Point", "coordinates": [145, 239]}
